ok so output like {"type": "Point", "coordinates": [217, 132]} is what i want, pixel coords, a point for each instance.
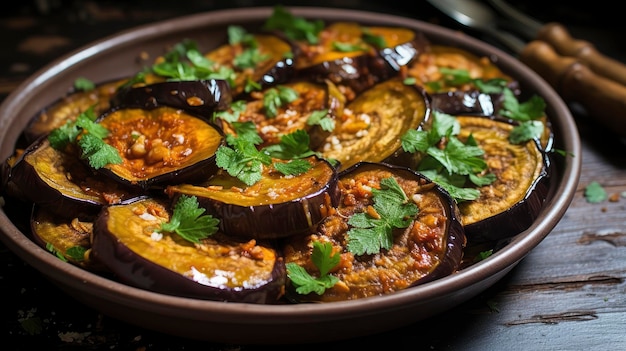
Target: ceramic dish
{"type": "Point", "coordinates": [241, 323]}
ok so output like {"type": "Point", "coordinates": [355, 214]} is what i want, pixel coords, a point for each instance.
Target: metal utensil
{"type": "Point", "coordinates": [478, 16]}
{"type": "Point", "coordinates": [601, 96]}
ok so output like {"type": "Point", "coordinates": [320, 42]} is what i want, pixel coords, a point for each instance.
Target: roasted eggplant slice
{"type": "Point", "coordinates": [373, 123]}
{"type": "Point", "coordinates": [68, 238]}
{"type": "Point", "coordinates": [428, 243]}
{"type": "Point", "coordinates": [398, 46]}
{"type": "Point", "coordinates": [512, 202]}
{"type": "Point", "coordinates": [344, 56]}
{"type": "Point", "coordinates": [217, 268]}
{"type": "Point", "coordinates": [69, 107]}
{"type": "Point", "coordinates": [162, 145]}
{"type": "Point", "coordinates": [276, 206]}
{"type": "Point", "coordinates": [429, 70]}
{"type": "Point", "coordinates": [271, 62]}
{"type": "Point", "coordinates": [200, 97]}
{"type": "Point", "coordinates": [62, 183]}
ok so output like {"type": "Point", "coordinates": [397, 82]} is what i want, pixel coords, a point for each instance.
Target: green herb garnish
{"type": "Point", "coordinates": [373, 230]}
{"type": "Point", "coordinates": [324, 259]}
{"type": "Point", "coordinates": [88, 135]}
{"type": "Point", "coordinates": [453, 165]}
{"type": "Point", "coordinates": [188, 222]}
{"type": "Point", "coordinates": [595, 193]}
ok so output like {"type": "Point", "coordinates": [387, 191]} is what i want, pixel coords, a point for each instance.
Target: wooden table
{"type": "Point", "coordinates": [569, 293]}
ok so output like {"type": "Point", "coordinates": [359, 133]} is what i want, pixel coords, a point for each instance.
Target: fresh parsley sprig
{"type": "Point", "coordinates": [372, 230]}
{"type": "Point", "coordinates": [88, 135]}
{"type": "Point", "coordinates": [324, 259]}
{"type": "Point", "coordinates": [454, 164]}
{"type": "Point", "coordinates": [188, 222]}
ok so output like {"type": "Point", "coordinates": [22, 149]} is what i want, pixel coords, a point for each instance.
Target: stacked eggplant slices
{"type": "Point", "coordinates": [302, 162]}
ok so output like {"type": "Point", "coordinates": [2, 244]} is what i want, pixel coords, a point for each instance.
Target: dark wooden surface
{"type": "Point", "coordinates": [567, 294]}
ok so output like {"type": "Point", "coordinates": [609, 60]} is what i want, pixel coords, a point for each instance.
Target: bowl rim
{"type": "Point", "coordinates": [204, 310]}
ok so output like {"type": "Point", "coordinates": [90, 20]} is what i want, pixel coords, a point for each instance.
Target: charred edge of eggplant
{"type": "Point", "coordinates": [520, 216]}
{"type": "Point", "coordinates": [200, 97]}
{"type": "Point", "coordinates": [135, 270]}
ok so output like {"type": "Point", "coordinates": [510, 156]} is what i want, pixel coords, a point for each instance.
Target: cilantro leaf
{"type": "Point", "coordinates": [324, 259]}
{"type": "Point", "coordinates": [188, 222]}
{"type": "Point", "coordinates": [371, 233]}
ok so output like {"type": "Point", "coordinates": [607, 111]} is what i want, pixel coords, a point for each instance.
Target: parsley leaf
{"type": "Point", "coordinates": [84, 84]}
{"type": "Point", "coordinates": [293, 167]}
{"type": "Point", "coordinates": [324, 259]}
{"type": "Point", "coordinates": [242, 160]}
{"type": "Point", "coordinates": [88, 135]}
{"type": "Point", "coordinates": [321, 118]}
{"type": "Point", "coordinates": [372, 230]}
{"type": "Point", "coordinates": [452, 165]}
{"type": "Point", "coordinates": [277, 97]}
{"type": "Point", "coordinates": [291, 146]}
{"type": "Point", "coordinates": [188, 222]}
{"type": "Point", "coordinates": [595, 193]}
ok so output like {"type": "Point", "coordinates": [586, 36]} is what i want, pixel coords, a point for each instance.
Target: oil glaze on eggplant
{"type": "Point", "coordinates": [218, 268]}
{"type": "Point", "coordinates": [430, 248]}
{"type": "Point", "coordinates": [277, 206]}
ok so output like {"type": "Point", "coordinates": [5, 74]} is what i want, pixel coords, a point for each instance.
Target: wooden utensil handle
{"type": "Point", "coordinates": [558, 36]}
{"type": "Point", "coordinates": [602, 98]}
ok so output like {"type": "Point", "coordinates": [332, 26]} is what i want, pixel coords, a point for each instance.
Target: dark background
{"type": "Point", "coordinates": [33, 33]}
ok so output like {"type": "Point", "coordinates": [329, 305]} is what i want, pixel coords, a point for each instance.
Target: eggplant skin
{"type": "Point", "coordinates": [218, 268]}
{"type": "Point", "coordinates": [62, 183]}
{"type": "Point", "coordinates": [430, 248]}
{"type": "Point", "coordinates": [200, 97]}
{"type": "Point", "coordinates": [275, 207]}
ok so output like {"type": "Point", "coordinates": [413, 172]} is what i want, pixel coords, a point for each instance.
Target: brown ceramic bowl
{"type": "Point", "coordinates": [113, 57]}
